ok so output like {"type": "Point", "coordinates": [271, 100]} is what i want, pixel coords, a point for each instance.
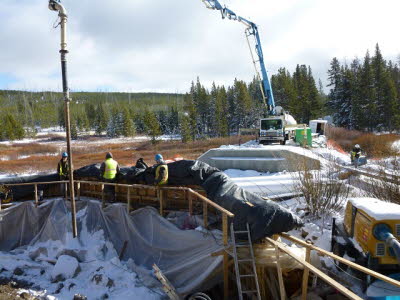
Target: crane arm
{"type": "Point", "coordinates": [251, 30]}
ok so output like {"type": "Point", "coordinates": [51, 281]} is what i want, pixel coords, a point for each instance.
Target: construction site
{"type": "Point", "coordinates": [280, 211]}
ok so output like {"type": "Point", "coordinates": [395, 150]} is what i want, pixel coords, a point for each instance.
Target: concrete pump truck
{"type": "Point", "coordinates": [275, 124]}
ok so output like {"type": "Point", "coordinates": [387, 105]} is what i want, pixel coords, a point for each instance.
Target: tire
{"type": "Point", "coordinates": [283, 142]}
{"type": "Point", "coordinates": [339, 250]}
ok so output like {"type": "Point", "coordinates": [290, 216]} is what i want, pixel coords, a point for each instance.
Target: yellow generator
{"type": "Point", "coordinates": [369, 235]}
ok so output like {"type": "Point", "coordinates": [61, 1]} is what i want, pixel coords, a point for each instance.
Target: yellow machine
{"type": "Point", "coordinates": [369, 235]}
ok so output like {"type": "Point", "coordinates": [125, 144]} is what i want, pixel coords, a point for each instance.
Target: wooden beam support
{"type": "Point", "coordinates": [36, 196]}
{"type": "Point", "coordinates": [226, 258]}
{"type": "Point", "coordinates": [190, 199]}
{"type": "Point", "coordinates": [78, 190]}
{"type": "Point", "coordinates": [280, 277]}
{"type": "Point", "coordinates": [318, 272]}
{"type": "Point", "coordinates": [103, 199]}
{"type": "Point", "coordinates": [341, 259]}
{"type": "Point", "coordinates": [306, 274]}
{"type": "Point", "coordinates": [205, 214]}
{"type": "Point", "coordinates": [128, 200]}
{"type": "Point", "coordinates": [161, 199]}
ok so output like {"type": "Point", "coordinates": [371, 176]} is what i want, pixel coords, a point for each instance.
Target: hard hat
{"type": "Point", "coordinates": [158, 157]}
{"type": "Point", "coordinates": [109, 155]}
{"type": "Point", "coordinates": [357, 146]}
{"type": "Point", "coordinates": [64, 154]}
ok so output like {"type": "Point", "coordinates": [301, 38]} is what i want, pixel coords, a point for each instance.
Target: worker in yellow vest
{"type": "Point", "coordinates": [109, 170]}
{"type": "Point", "coordinates": [63, 171]}
{"type": "Point", "coordinates": [161, 171]}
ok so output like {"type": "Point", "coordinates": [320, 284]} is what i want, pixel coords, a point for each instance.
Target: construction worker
{"type": "Point", "coordinates": [355, 155]}
{"type": "Point", "coordinates": [109, 170]}
{"type": "Point", "coordinates": [161, 171]}
{"type": "Point", "coordinates": [63, 171]}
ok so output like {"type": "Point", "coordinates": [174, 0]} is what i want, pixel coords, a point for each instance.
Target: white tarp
{"type": "Point", "coordinates": [184, 256]}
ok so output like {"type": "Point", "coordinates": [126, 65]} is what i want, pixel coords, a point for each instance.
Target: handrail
{"type": "Point", "coordinates": [317, 271]}
{"type": "Point", "coordinates": [33, 183]}
{"type": "Point", "coordinates": [341, 259]}
{"type": "Point", "coordinates": [215, 205]}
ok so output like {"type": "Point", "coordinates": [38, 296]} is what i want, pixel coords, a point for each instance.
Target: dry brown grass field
{"type": "Point", "coordinates": [43, 157]}
{"type": "Point", "coordinates": [376, 146]}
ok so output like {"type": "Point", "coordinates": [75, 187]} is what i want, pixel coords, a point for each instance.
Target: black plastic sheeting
{"type": "Point", "coordinates": [264, 217]}
{"type": "Point", "coordinates": [24, 191]}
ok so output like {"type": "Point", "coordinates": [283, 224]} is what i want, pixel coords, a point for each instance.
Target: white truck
{"type": "Point", "coordinates": [277, 128]}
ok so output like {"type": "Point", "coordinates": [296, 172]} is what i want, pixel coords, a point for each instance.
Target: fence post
{"type": "Point", "coordinates": [205, 214]}
{"type": "Point", "coordinates": [161, 198]}
{"type": "Point", "coordinates": [306, 272]}
{"type": "Point", "coordinates": [128, 196]}
{"type": "Point", "coordinates": [36, 196]}
{"type": "Point", "coordinates": [78, 187]}
{"type": "Point", "coordinates": [65, 191]}
{"type": "Point", "coordinates": [225, 261]}
{"type": "Point", "coordinates": [280, 277]}
{"type": "Point", "coordinates": [190, 198]}
{"type": "Point", "coordinates": [103, 200]}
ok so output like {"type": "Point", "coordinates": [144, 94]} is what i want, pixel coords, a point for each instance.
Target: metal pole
{"type": "Point", "coordinates": [62, 13]}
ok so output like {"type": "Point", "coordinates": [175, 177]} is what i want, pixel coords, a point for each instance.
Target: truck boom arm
{"type": "Point", "coordinates": [251, 30]}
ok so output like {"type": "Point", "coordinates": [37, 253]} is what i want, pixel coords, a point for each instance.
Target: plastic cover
{"type": "Point", "coordinates": [184, 256]}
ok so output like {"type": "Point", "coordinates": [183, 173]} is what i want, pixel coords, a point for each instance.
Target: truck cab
{"type": "Point", "coordinates": [272, 130]}
{"type": "Point", "coordinates": [277, 128]}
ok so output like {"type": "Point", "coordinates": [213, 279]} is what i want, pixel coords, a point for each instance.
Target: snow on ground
{"type": "Point", "coordinates": [396, 146]}
{"type": "Point", "coordinates": [264, 184]}
{"type": "Point", "coordinates": [101, 275]}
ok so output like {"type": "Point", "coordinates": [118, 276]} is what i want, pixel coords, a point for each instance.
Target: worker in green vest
{"type": "Point", "coordinates": [109, 170]}
{"type": "Point", "coordinates": [63, 171]}
{"type": "Point", "coordinates": [161, 177]}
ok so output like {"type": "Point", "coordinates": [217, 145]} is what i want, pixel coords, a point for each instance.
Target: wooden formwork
{"type": "Point", "coordinates": [184, 198]}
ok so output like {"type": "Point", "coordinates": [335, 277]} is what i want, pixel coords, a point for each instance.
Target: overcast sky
{"type": "Point", "coordinates": [141, 45]}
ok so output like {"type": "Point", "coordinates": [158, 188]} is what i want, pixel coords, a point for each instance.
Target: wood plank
{"type": "Point", "coordinates": [128, 200]}
{"type": "Point", "coordinates": [280, 277]}
{"type": "Point", "coordinates": [205, 214]}
{"type": "Point", "coordinates": [36, 196]}
{"type": "Point", "coordinates": [306, 274]}
{"type": "Point", "coordinates": [215, 205]}
{"type": "Point", "coordinates": [226, 258]}
{"type": "Point", "coordinates": [318, 272]}
{"type": "Point", "coordinates": [341, 259]}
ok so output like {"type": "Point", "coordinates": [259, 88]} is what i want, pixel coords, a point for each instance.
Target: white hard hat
{"type": "Point", "coordinates": [357, 146]}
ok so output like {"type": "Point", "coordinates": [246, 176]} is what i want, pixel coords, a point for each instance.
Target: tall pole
{"type": "Point", "coordinates": [62, 13]}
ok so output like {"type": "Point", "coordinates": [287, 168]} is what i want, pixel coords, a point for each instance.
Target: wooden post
{"type": "Point", "coordinates": [161, 198]}
{"type": "Point", "coordinates": [128, 199]}
{"type": "Point", "coordinates": [280, 277]}
{"type": "Point", "coordinates": [103, 200]}
{"type": "Point", "coordinates": [306, 273]}
{"type": "Point", "coordinates": [205, 214]}
{"type": "Point", "coordinates": [78, 190]}
{"type": "Point", "coordinates": [225, 261]}
{"type": "Point", "coordinates": [36, 196]}
{"type": "Point", "coordinates": [65, 191]}
{"type": "Point", "coordinates": [190, 198]}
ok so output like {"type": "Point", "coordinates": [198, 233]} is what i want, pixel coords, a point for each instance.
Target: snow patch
{"type": "Point", "coordinates": [377, 209]}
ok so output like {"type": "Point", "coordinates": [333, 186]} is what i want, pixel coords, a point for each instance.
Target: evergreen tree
{"type": "Point", "coordinates": [152, 125]}
{"type": "Point", "coordinates": [185, 128]}
{"type": "Point", "coordinates": [11, 129]}
{"type": "Point", "coordinates": [221, 112]}
{"type": "Point", "coordinates": [101, 120]}
{"type": "Point", "coordinates": [128, 128]}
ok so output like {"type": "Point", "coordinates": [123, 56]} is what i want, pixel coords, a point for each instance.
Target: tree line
{"type": "Point", "coordinates": [363, 95]}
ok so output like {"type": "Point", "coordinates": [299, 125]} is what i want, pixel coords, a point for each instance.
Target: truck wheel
{"type": "Point", "coordinates": [339, 250]}
{"type": "Point", "coordinates": [283, 142]}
